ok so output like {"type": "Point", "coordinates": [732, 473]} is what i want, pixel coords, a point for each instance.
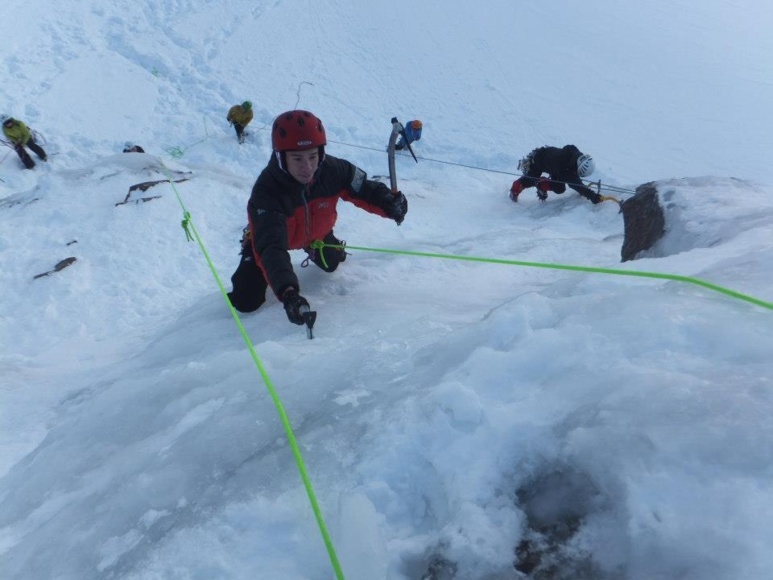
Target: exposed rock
{"type": "Point", "coordinates": [61, 265]}
{"type": "Point", "coordinates": [644, 221]}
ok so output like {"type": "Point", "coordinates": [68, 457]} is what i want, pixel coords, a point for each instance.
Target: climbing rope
{"type": "Point", "coordinates": [598, 184]}
{"type": "Point", "coordinates": [177, 152]}
{"type": "Point", "coordinates": [590, 269]}
{"type": "Point", "coordinates": [191, 234]}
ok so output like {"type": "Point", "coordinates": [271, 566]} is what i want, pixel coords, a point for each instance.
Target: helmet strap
{"type": "Point", "coordinates": [280, 157]}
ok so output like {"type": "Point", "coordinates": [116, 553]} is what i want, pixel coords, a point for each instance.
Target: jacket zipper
{"type": "Point", "coordinates": [306, 211]}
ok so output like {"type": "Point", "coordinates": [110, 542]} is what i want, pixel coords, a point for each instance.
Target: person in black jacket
{"type": "Point", "coordinates": [565, 166]}
{"type": "Point", "coordinates": [293, 206]}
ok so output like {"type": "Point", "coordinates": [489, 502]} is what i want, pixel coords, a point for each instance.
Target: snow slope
{"type": "Point", "coordinates": [457, 418]}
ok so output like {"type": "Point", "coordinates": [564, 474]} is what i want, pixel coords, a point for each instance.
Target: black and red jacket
{"type": "Point", "coordinates": [287, 215]}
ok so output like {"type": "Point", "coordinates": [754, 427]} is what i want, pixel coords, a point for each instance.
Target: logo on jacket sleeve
{"type": "Point", "coordinates": [357, 179]}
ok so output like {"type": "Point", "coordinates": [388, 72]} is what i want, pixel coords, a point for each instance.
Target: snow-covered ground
{"type": "Point", "coordinates": [457, 419]}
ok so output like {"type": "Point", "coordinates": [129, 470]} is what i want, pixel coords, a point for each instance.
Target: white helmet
{"type": "Point", "coordinates": [585, 165]}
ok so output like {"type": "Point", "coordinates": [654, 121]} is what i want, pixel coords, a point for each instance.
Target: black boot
{"type": "Point", "coordinates": [327, 258]}
{"type": "Point", "coordinates": [239, 132]}
{"type": "Point", "coordinates": [37, 149]}
{"type": "Point", "coordinates": [25, 157]}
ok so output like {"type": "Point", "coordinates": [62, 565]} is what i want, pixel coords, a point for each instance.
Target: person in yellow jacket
{"type": "Point", "coordinates": [240, 116]}
{"type": "Point", "coordinates": [20, 136]}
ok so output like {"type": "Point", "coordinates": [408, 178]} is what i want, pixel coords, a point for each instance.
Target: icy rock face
{"type": "Point", "coordinates": [644, 221]}
{"type": "Point", "coordinates": [671, 216]}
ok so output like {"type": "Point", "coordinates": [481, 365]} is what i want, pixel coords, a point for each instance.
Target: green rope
{"type": "Point", "coordinates": [177, 152]}
{"type": "Point", "coordinates": [189, 227]}
{"type": "Point", "coordinates": [676, 277]}
{"type": "Point", "coordinates": [319, 245]}
{"type": "Point", "coordinates": [186, 224]}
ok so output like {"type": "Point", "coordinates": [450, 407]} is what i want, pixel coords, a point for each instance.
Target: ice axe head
{"type": "Point", "coordinates": [309, 318]}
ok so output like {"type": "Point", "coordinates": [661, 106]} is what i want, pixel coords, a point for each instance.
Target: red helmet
{"type": "Point", "coordinates": [296, 131]}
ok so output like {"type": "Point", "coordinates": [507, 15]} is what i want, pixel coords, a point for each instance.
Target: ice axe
{"type": "Point", "coordinates": [604, 197]}
{"type": "Point", "coordinates": [309, 318]}
{"type": "Point", "coordinates": [397, 130]}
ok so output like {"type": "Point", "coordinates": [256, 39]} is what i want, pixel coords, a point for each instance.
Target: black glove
{"type": "Point", "coordinates": [542, 195]}
{"type": "Point", "coordinates": [294, 305]}
{"type": "Point", "coordinates": [594, 198]}
{"type": "Point", "coordinates": [396, 206]}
